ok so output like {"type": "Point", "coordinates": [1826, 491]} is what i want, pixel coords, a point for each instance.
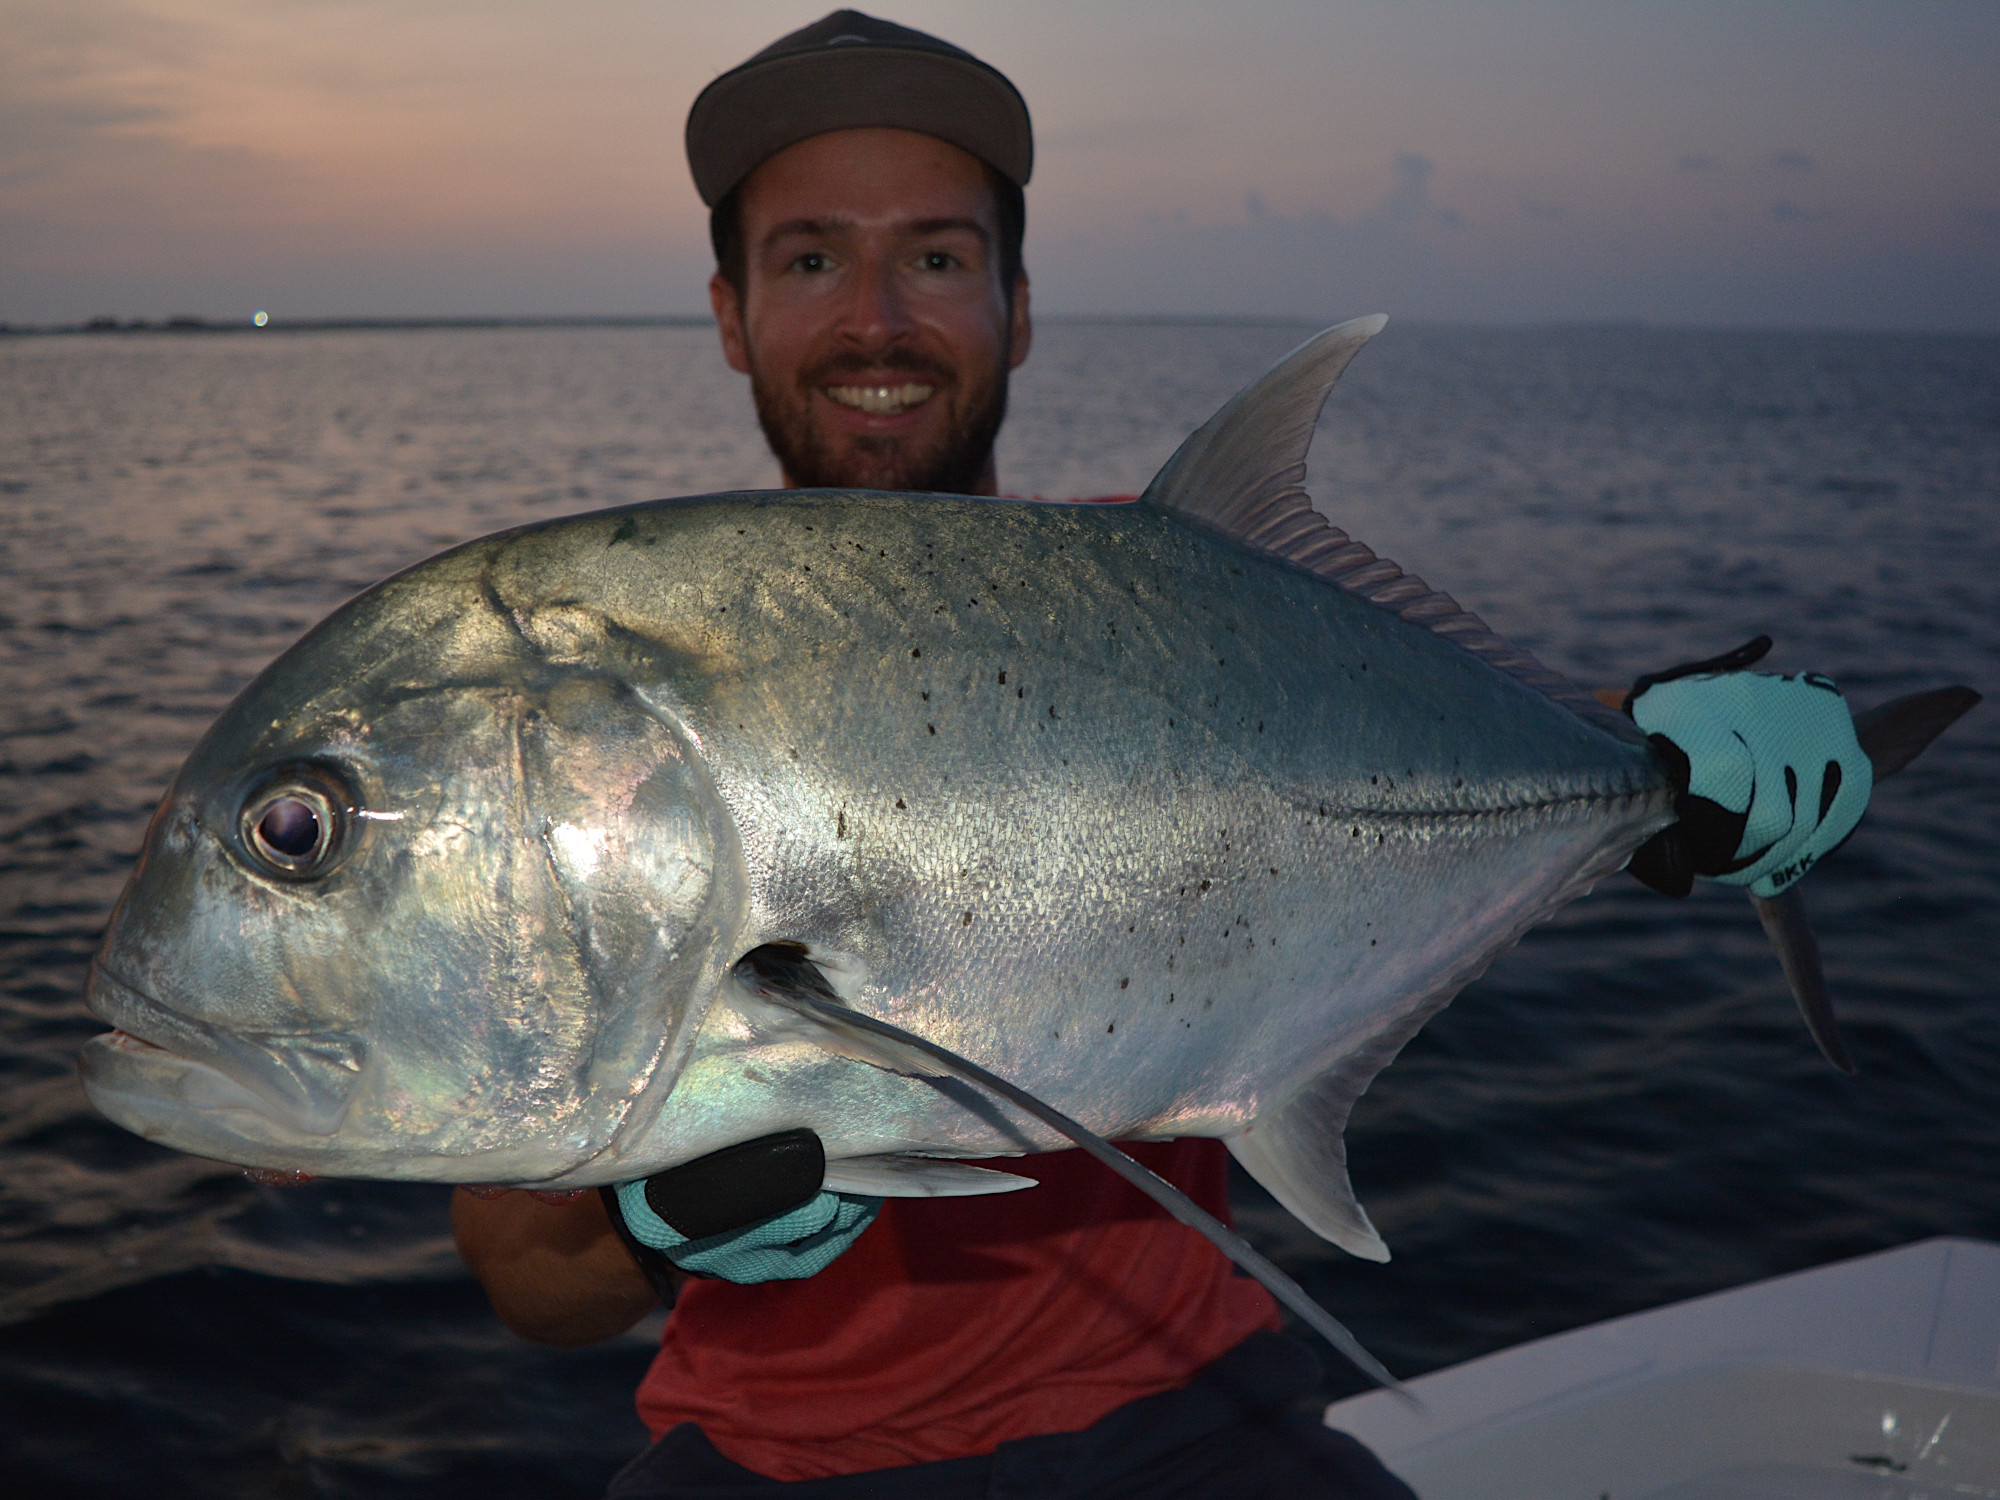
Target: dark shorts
{"type": "Point", "coordinates": [1233, 1430]}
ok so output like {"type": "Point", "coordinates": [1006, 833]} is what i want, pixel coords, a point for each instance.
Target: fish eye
{"type": "Point", "coordinates": [295, 824]}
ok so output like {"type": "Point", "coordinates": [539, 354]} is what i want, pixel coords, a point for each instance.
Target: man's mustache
{"type": "Point", "coordinates": [840, 368]}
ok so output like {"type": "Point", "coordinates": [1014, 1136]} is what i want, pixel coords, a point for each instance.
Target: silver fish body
{"type": "Point", "coordinates": [1155, 821]}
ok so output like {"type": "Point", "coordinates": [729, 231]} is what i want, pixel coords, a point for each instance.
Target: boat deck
{"type": "Point", "coordinates": [1877, 1377]}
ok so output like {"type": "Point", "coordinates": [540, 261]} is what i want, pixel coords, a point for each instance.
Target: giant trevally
{"type": "Point", "coordinates": [1183, 815]}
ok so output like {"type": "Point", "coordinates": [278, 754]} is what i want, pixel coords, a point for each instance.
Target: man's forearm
{"type": "Point", "coordinates": [556, 1273]}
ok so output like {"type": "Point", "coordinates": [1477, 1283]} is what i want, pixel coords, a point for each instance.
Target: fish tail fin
{"type": "Point", "coordinates": [1891, 735]}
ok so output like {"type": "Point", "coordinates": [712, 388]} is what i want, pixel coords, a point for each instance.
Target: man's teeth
{"type": "Point", "coordinates": [880, 400]}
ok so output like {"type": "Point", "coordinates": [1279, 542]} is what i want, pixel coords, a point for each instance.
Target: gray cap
{"type": "Point", "coordinates": [852, 72]}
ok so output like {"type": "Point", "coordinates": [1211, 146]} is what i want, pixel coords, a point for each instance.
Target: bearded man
{"type": "Point", "coordinates": [865, 184]}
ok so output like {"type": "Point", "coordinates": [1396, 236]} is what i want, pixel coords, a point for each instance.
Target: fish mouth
{"type": "Point", "coordinates": [301, 1080]}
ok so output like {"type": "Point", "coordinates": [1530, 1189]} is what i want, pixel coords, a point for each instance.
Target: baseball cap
{"type": "Point", "coordinates": [849, 71]}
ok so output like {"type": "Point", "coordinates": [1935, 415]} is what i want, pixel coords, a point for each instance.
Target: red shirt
{"type": "Point", "coordinates": [956, 1324]}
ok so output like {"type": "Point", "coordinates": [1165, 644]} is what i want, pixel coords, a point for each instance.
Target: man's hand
{"type": "Point", "coordinates": [1770, 775]}
{"type": "Point", "coordinates": [750, 1212]}
{"type": "Point", "coordinates": [556, 1273]}
{"type": "Point", "coordinates": [586, 1267]}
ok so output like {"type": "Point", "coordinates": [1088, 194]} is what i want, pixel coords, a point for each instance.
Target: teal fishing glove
{"type": "Point", "coordinates": [789, 1247]}
{"type": "Point", "coordinates": [750, 1212]}
{"type": "Point", "coordinates": [1771, 778]}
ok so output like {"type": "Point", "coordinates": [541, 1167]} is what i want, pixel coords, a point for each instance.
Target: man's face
{"type": "Point", "coordinates": [873, 324]}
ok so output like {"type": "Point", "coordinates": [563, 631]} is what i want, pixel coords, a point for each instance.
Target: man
{"type": "Point", "coordinates": [865, 184]}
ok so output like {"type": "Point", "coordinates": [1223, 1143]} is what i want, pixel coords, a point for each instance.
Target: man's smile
{"type": "Point", "coordinates": [881, 400]}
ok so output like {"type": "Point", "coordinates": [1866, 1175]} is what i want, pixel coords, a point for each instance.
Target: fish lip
{"type": "Point", "coordinates": [303, 1080]}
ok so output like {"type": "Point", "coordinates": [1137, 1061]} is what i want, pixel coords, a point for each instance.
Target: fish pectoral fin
{"type": "Point", "coordinates": [774, 978]}
{"type": "Point", "coordinates": [782, 975]}
{"type": "Point", "coordinates": [901, 1175]}
{"type": "Point", "coordinates": [1298, 1154]}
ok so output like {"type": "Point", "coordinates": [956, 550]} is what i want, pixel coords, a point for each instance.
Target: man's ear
{"type": "Point", "coordinates": [728, 308]}
{"type": "Point", "coordinates": [1020, 330]}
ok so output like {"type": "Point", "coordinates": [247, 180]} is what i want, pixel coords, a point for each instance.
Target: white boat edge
{"type": "Point", "coordinates": [1877, 1377]}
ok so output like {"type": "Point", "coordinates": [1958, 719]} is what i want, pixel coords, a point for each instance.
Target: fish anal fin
{"type": "Point", "coordinates": [1298, 1154]}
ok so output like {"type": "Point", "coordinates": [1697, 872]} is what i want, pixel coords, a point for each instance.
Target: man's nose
{"type": "Point", "coordinates": [878, 310]}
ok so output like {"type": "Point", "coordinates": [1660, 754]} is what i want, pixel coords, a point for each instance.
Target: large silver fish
{"type": "Point", "coordinates": [1183, 815]}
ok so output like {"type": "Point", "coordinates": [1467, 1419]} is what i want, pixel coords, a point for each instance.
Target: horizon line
{"type": "Point", "coordinates": [185, 324]}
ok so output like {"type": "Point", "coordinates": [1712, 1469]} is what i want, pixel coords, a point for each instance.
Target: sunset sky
{"type": "Point", "coordinates": [1808, 163]}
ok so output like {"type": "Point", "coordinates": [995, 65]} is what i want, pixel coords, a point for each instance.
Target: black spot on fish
{"type": "Point", "coordinates": [627, 529]}
{"type": "Point", "coordinates": [1125, 983]}
{"type": "Point", "coordinates": [1020, 692]}
{"type": "Point", "coordinates": [899, 804]}
{"type": "Point", "coordinates": [840, 826]}
{"type": "Point", "coordinates": [931, 727]}
{"type": "Point", "coordinates": [915, 652]}
{"type": "Point", "coordinates": [1111, 1028]}
{"type": "Point", "coordinates": [1204, 885]}
{"type": "Point", "coordinates": [1052, 711]}
{"type": "Point", "coordinates": [966, 920]}
{"type": "Point", "coordinates": [1003, 679]}
{"type": "Point", "coordinates": [926, 697]}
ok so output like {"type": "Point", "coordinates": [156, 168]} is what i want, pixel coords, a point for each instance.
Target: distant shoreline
{"type": "Point", "coordinates": [192, 325]}
{"type": "Point", "coordinates": [205, 326]}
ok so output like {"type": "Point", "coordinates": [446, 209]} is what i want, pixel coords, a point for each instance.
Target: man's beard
{"type": "Point", "coordinates": [952, 462]}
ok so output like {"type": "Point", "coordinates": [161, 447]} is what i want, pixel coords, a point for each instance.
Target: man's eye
{"type": "Point", "coordinates": [939, 260]}
{"type": "Point", "coordinates": [812, 260]}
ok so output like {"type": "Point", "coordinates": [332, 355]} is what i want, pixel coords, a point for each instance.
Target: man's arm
{"type": "Point", "coordinates": [555, 1273]}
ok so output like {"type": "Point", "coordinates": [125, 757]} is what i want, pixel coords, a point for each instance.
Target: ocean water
{"type": "Point", "coordinates": [1624, 1111]}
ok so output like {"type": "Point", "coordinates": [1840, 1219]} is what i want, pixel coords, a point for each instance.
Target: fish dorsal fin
{"type": "Point", "coordinates": [1242, 474]}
